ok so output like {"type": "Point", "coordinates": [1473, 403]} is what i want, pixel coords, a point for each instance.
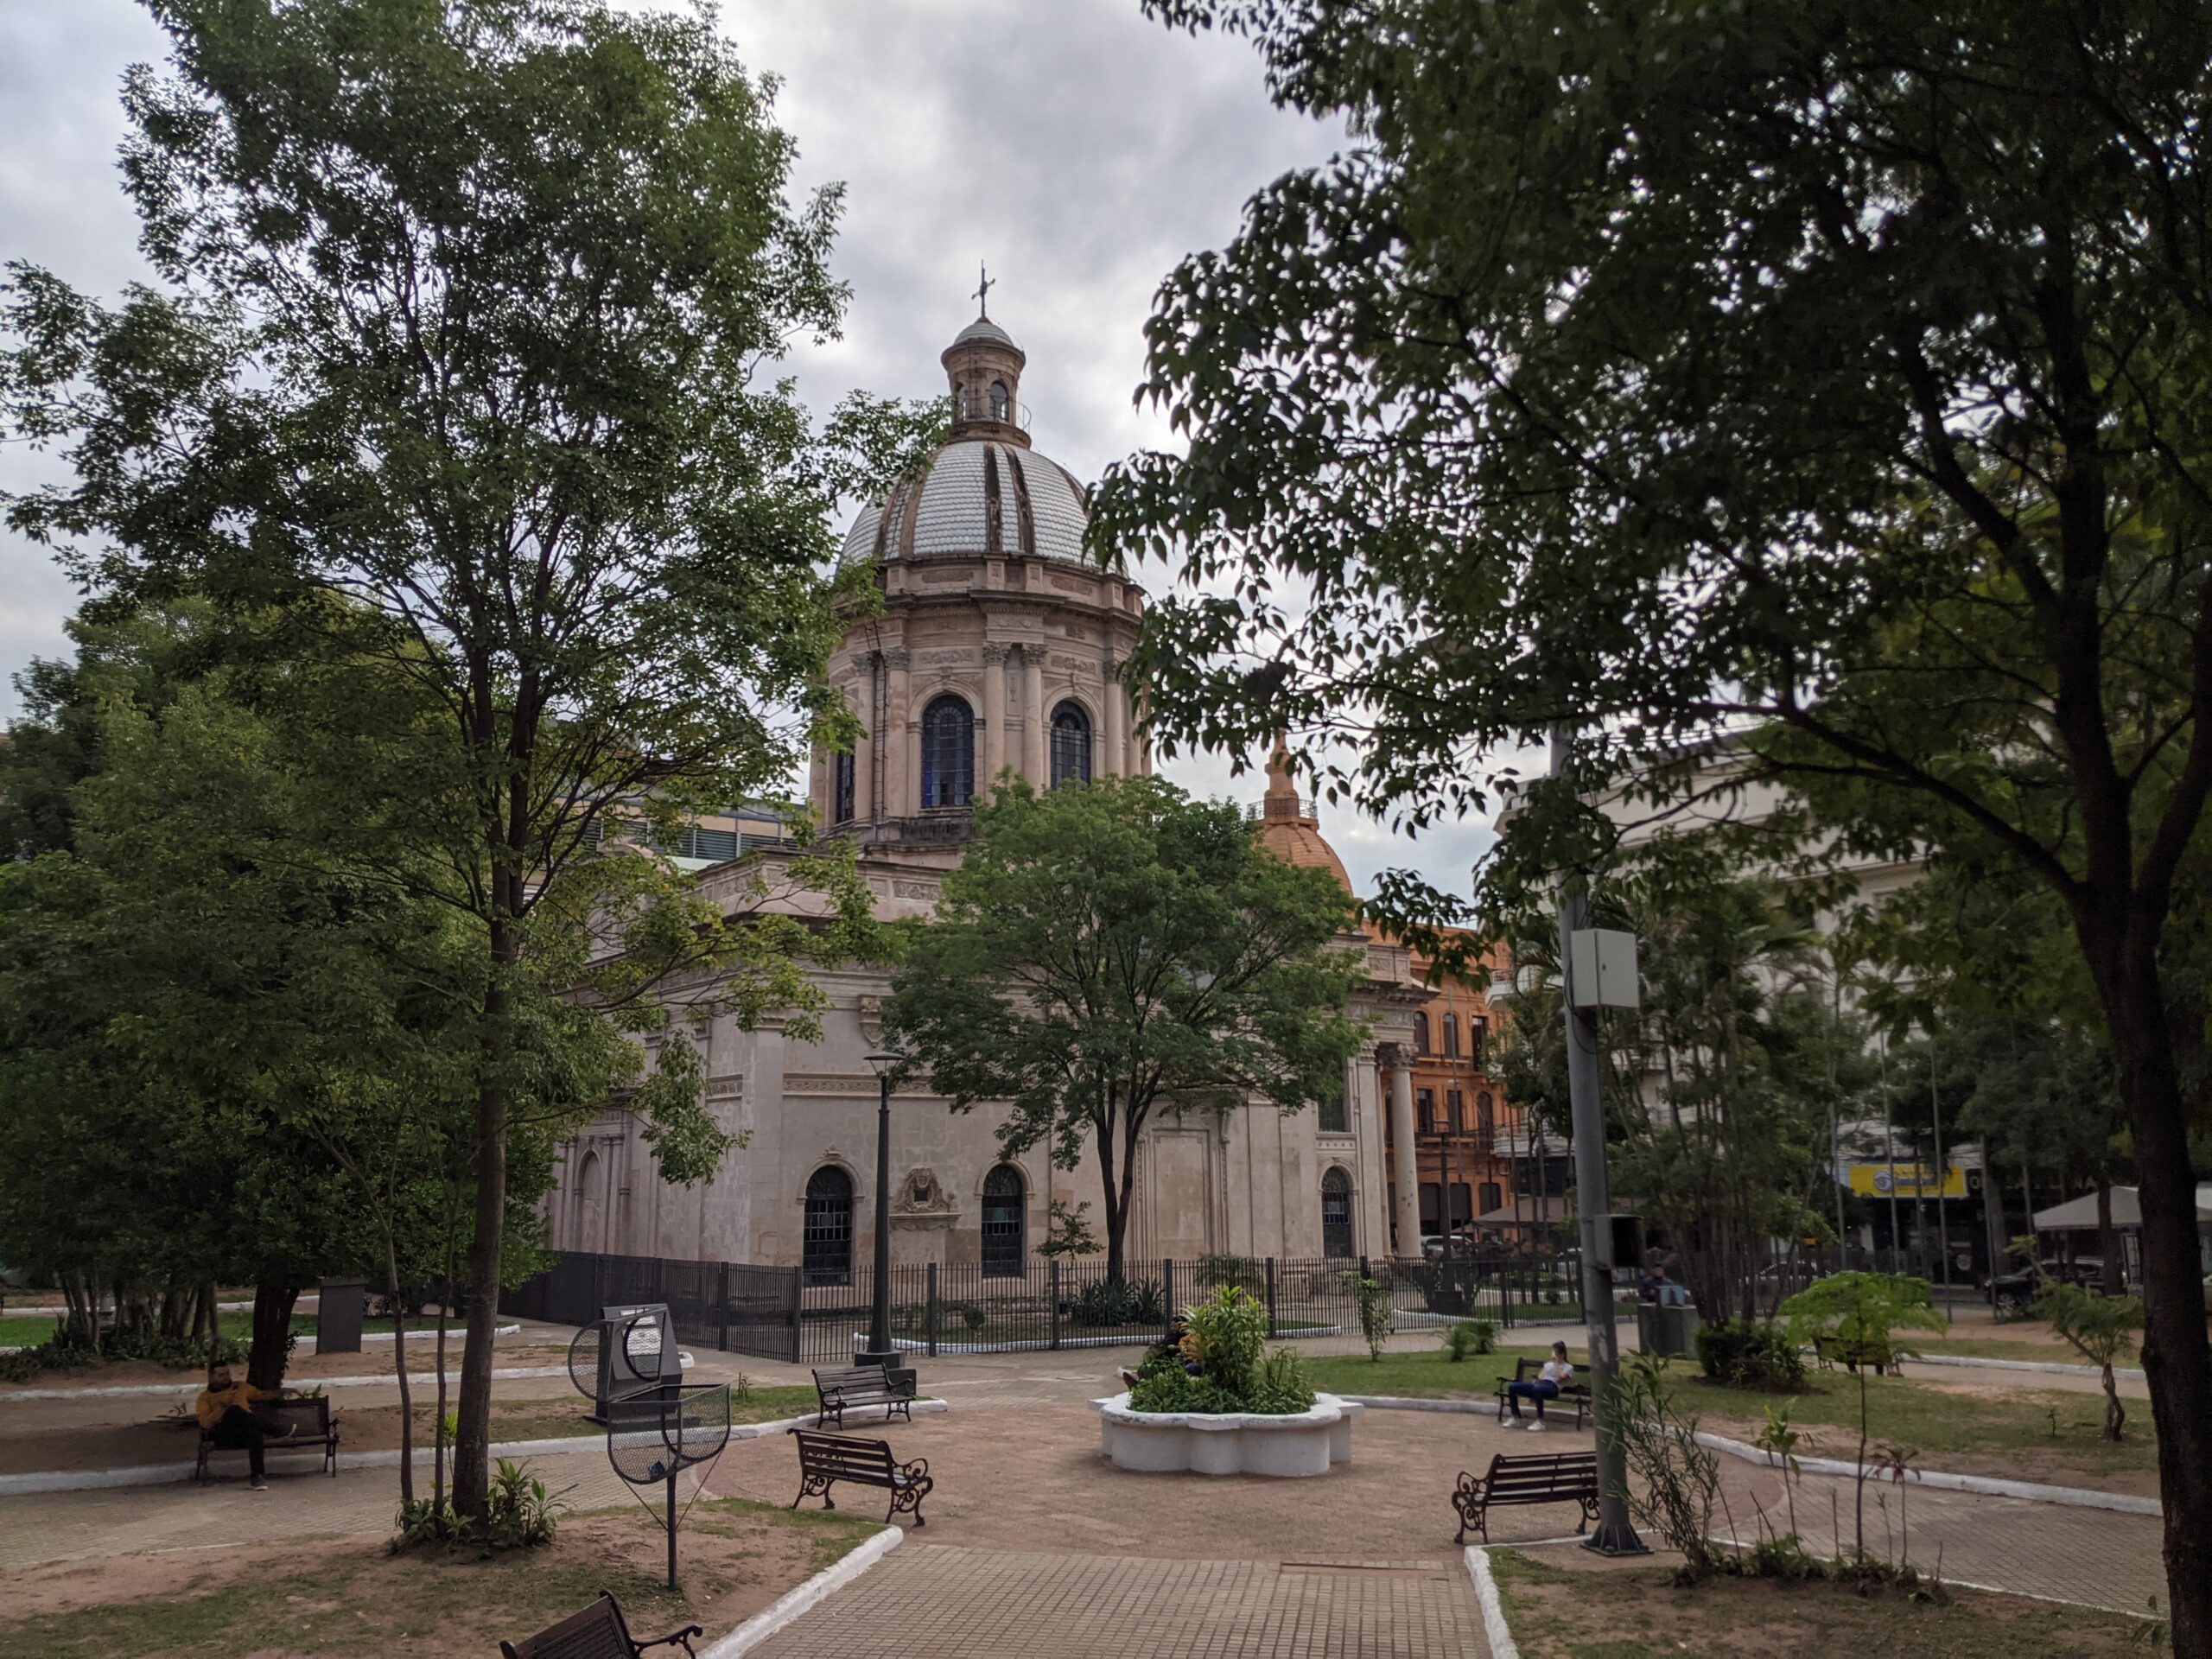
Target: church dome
{"type": "Point", "coordinates": [1289, 828]}
{"type": "Point", "coordinates": [985, 493]}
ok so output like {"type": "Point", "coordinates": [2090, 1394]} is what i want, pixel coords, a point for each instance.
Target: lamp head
{"type": "Point", "coordinates": [885, 1064]}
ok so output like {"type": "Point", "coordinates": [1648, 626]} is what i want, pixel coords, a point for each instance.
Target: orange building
{"type": "Point", "coordinates": [1463, 1132]}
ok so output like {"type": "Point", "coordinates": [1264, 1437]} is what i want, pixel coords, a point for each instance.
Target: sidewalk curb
{"type": "Point", "coordinates": [415, 1379]}
{"type": "Point", "coordinates": [2048, 1367]}
{"type": "Point", "coordinates": [793, 1602]}
{"type": "Point", "coordinates": [1500, 1636]}
{"type": "Point", "coordinates": [1943, 1480]}
{"type": "Point", "coordinates": [167, 1474]}
{"type": "Point", "coordinates": [1409, 1402]}
{"type": "Point", "coordinates": [306, 1344]}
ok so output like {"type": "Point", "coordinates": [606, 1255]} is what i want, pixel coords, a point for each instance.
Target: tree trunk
{"type": "Point", "coordinates": [445, 1310]}
{"type": "Point", "coordinates": [273, 1300]}
{"type": "Point", "coordinates": [2176, 1356]}
{"type": "Point", "coordinates": [215, 1333]}
{"type": "Point", "coordinates": [472, 1440]}
{"type": "Point", "coordinates": [2115, 1413]}
{"type": "Point", "coordinates": [2108, 1278]}
{"type": "Point", "coordinates": [399, 1361]}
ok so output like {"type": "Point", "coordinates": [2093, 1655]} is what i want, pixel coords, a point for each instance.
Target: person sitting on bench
{"type": "Point", "coordinates": [1556, 1374]}
{"type": "Point", "coordinates": [225, 1412]}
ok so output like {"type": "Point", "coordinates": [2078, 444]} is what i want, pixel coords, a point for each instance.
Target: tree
{"type": "Point", "coordinates": [465, 317]}
{"type": "Point", "coordinates": [1832, 371]}
{"type": "Point", "coordinates": [2101, 1329]}
{"type": "Point", "coordinates": [1112, 950]}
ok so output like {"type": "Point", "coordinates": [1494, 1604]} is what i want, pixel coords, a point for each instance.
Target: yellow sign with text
{"type": "Point", "coordinates": [1906, 1181]}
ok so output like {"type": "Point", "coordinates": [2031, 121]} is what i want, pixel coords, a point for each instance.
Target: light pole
{"type": "Point", "coordinates": [885, 1067]}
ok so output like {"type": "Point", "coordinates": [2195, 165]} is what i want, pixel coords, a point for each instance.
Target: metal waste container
{"type": "Point", "coordinates": [1669, 1332]}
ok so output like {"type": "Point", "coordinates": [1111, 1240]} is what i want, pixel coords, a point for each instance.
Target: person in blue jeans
{"type": "Point", "coordinates": [1555, 1375]}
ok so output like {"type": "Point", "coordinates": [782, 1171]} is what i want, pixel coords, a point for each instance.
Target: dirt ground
{"type": "Point", "coordinates": [348, 1595]}
{"type": "Point", "coordinates": [1563, 1602]}
{"type": "Point", "coordinates": [524, 1348]}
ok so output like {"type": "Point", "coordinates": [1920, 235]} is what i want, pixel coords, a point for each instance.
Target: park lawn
{"type": "Point", "coordinates": [1614, 1612]}
{"type": "Point", "coordinates": [370, 1428]}
{"type": "Point", "coordinates": [27, 1330]}
{"type": "Point", "coordinates": [347, 1596]}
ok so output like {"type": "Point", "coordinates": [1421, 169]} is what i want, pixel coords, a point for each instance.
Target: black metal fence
{"type": "Point", "coordinates": [743, 1308]}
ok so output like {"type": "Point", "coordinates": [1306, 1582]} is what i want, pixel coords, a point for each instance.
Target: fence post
{"type": "Point", "coordinates": [929, 1314]}
{"type": "Point", "coordinates": [1166, 1297]}
{"type": "Point", "coordinates": [798, 1277]}
{"type": "Point", "coordinates": [1056, 1301]}
{"type": "Point", "coordinates": [721, 1298]}
{"type": "Point", "coordinates": [1271, 1299]}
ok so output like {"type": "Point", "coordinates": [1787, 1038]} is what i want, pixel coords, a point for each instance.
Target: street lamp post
{"type": "Point", "coordinates": [880, 1351]}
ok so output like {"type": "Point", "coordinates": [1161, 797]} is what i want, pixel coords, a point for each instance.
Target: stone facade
{"type": "Point", "coordinates": [996, 651]}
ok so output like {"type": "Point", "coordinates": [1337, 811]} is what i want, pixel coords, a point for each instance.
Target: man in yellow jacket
{"type": "Point", "coordinates": [225, 1411]}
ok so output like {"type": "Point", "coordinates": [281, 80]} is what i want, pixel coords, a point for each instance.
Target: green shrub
{"type": "Point", "coordinates": [68, 1349]}
{"type": "Point", "coordinates": [1376, 1316]}
{"type": "Point", "coordinates": [1241, 1271]}
{"type": "Point", "coordinates": [1117, 1301]}
{"type": "Point", "coordinates": [972, 1315]}
{"type": "Point", "coordinates": [1750, 1354]}
{"type": "Point", "coordinates": [1281, 1386]}
{"type": "Point", "coordinates": [522, 1515]}
{"type": "Point", "coordinates": [1226, 1334]}
{"type": "Point", "coordinates": [1470, 1337]}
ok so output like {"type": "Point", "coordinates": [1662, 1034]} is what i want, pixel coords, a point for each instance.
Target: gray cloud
{"type": "Point", "coordinates": [1078, 149]}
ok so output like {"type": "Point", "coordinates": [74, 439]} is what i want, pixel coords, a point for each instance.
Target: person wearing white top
{"type": "Point", "coordinates": [1555, 1375]}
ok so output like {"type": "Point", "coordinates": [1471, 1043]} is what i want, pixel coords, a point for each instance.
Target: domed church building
{"type": "Point", "coordinates": [997, 646]}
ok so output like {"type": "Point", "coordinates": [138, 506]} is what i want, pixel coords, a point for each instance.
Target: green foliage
{"type": "Point", "coordinates": [1109, 951]}
{"type": "Point", "coordinates": [1377, 1317]}
{"type": "Point", "coordinates": [1226, 1334]}
{"type": "Point", "coordinates": [1225, 1338]}
{"type": "Point", "coordinates": [1067, 1230]}
{"type": "Point", "coordinates": [1279, 1386]}
{"type": "Point", "coordinates": [1174, 1389]}
{"type": "Point", "coordinates": [1239, 1270]}
{"type": "Point", "coordinates": [1853, 1316]}
{"type": "Point", "coordinates": [523, 1514]}
{"type": "Point", "coordinates": [1467, 1337]}
{"type": "Point", "coordinates": [2102, 1330]}
{"type": "Point", "coordinates": [1674, 1482]}
{"type": "Point", "coordinates": [1750, 1354]}
{"type": "Point", "coordinates": [1109, 1302]}
{"type": "Point", "coordinates": [70, 1349]}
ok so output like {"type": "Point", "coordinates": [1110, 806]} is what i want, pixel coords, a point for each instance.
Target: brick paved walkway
{"type": "Point", "coordinates": [936, 1599]}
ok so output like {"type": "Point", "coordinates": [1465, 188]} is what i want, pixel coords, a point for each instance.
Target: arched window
{"type": "Point", "coordinates": [1451, 1036]}
{"type": "Point", "coordinates": [1421, 1033]}
{"type": "Point", "coordinates": [1004, 1224]}
{"type": "Point", "coordinates": [1486, 1117]}
{"type": "Point", "coordinates": [841, 807]}
{"type": "Point", "coordinates": [1335, 1214]}
{"type": "Point", "coordinates": [1000, 401]}
{"type": "Point", "coordinates": [828, 1236]}
{"type": "Point", "coordinates": [1425, 1110]}
{"type": "Point", "coordinates": [1070, 745]}
{"type": "Point", "coordinates": [948, 753]}
{"type": "Point", "coordinates": [1455, 1112]}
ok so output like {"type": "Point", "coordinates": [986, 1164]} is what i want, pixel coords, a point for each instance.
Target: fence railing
{"type": "Point", "coordinates": [771, 1312]}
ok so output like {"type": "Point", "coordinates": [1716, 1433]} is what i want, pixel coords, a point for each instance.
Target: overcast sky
{"type": "Point", "coordinates": [1075, 148]}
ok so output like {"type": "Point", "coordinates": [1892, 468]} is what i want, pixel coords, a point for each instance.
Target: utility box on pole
{"type": "Point", "coordinates": [1601, 968]}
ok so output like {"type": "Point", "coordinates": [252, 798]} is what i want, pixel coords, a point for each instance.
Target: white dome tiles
{"type": "Point", "coordinates": [1056, 507]}
{"type": "Point", "coordinates": [860, 540]}
{"type": "Point", "coordinates": [951, 517]}
{"type": "Point", "coordinates": [984, 328]}
{"type": "Point", "coordinates": [950, 507]}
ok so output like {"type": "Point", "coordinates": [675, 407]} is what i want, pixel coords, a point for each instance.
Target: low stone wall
{"type": "Point", "coordinates": [1231, 1443]}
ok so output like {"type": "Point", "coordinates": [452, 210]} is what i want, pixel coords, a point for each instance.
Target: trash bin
{"type": "Point", "coordinates": [1669, 1332]}
{"type": "Point", "coordinates": [338, 1316]}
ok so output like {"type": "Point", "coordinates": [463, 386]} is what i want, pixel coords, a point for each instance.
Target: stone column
{"type": "Point", "coordinates": [864, 745]}
{"type": "Point", "coordinates": [1113, 760]}
{"type": "Point", "coordinates": [1403, 1171]}
{"type": "Point", "coordinates": [1034, 765]}
{"type": "Point", "coordinates": [1134, 739]}
{"type": "Point", "coordinates": [902, 764]}
{"type": "Point", "coordinates": [994, 716]}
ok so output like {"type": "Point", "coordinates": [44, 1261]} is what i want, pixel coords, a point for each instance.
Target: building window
{"type": "Point", "coordinates": [1463, 1197]}
{"type": "Point", "coordinates": [1335, 1215]}
{"type": "Point", "coordinates": [1491, 1196]}
{"type": "Point", "coordinates": [1003, 1223]}
{"type": "Point", "coordinates": [1421, 1033]}
{"type": "Point", "coordinates": [1486, 1117]}
{"type": "Point", "coordinates": [1432, 1208]}
{"type": "Point", "coordinates": [948, 753]}
{"type": "Point", "coordinates": [1456, 1112]}
{"type": "Point", "coordinates": [1336, 1116]}
{"type": "Point", "coordinates": [1477, 1034]}
{"type": "Point", "coordinates": [1070, 745]}
{"type": "Point", "coordinates": [1424, 1109]}
{"type": "Point", "coordinates": [1000, 401]}
{"type": "Point", "coordinates": [1451, 1036]}
{"type": "Point", "coordinates": [840, 808]}
{"type": "Point", "coordinates": [828, 1238]}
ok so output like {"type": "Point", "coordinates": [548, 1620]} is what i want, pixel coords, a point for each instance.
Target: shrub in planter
{"type": "Point", "coordinates": [1221, 1364]}
{"type": "Point", "coordinates": [1750, 1354]}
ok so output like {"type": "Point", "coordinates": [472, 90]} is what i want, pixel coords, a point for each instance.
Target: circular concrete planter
{"type": "Point", "coordinates": [1231, 1443]}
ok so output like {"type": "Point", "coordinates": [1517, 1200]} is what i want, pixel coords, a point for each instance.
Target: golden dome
{"type": "Point", "coordinates": [1289, 828]}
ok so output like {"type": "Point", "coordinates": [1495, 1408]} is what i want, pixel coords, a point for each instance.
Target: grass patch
{"type": "Point", "coordinates": [350, 1599]}
{"type": "Point", "coordinates": [564, 1417]}
{"type": "Point", "coordinates": [1639, 1613]}
{"type": "Point", "coordinates": [1418, 1376]}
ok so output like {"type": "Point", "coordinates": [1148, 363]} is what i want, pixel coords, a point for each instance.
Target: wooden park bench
{"type": "Point", "coordinates": [598, 1632]}
{"type": "Point", "coordinates": [1565, 1478]}
{"type": "Point", "coordinates": [824, 1460]}
{"type": "Point", "coordinates": [286, 1426]}
{"type": "Point", "coordinates": [1575, 1394]}
{"type": "Point", "coordinates": [863, 1385]}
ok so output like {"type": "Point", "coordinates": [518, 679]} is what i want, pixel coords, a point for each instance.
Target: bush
{"type": "Point", "coordinates": [1281, 1386]}
{"type": "Point", "coordinates": [1470, 1337]}
{"type": "Point", "coordinates": [1376, 1316]}
{"type": "Point", "coordinates": [522, 1516]}
{"type": "Point", "coordinates": [68, 1349]}
{"type": "Point", "coordinates": [1224, 1336]}
{"type": "Point", "coordinates": [1241, 1271]}
{"type": "Point", "coordinates": [1221, 1364]}
{"type": "Point", "coordinates": [972, 1315]}
{"type": "Point", "coordinates": [1750, 1354]}
{"type": "Point", "coordinates": [1123, 1301]}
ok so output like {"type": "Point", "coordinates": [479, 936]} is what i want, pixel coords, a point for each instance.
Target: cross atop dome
{"type": "Point", "coordinates": [983, 287]}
